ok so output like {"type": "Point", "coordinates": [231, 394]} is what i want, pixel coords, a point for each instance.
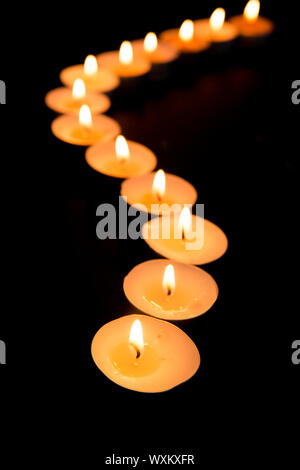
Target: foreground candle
{"type": "Point", "coordinates": [250, 25]}
{"type": "Point", "coordinates": [185, 39]}
{"type": "Point", "coordinates": [170, 290]}
{"type": "Point", "coordinates": [85, 129]}
{"type": "Point", "coordinates": [216, 29]}
{"type": "Point", "coordinates": [185, 238]}
{"type": "Point", "coordinates": [121, 159]}
{"type": "Point", "coordinates": [95, 78]}
{"type": "Point", "coordinates": [158, 192]}
{"type": "Point", "coordinates": [154, 50]}
{"type": "Point", "coordinates": [124, 63]}
{"type": "Point", "coordinates": [66, 101]}
{"type": "Point", "coordinates": [145, 354]}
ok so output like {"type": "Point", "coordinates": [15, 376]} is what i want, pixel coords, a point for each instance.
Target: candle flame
{"type": "Point", "coordinates": [251, 11]}
{"type": "Point", "coordinates": [185, 222]}
{"type": "Point", "coordinates": [85, 116]}
{"type": "Point", "coordinates": [217, 19]}
{"type": "Point", "coordinates": [126, 53]}
{"type": "Point", "coordinates": [90, 66]}
{"type": "Point", "coordinates": [159, 185]}
{"type": "Point", "coordinates": [78, 90]}
{"type": "Point", "coordinates": [150, 42]}
{"type": "Point", "coordinates": [186, 31]}
{"type": "Point", "coordinates": [136, 339]}
{"type": "Point", "coordinates": [169, 280]}
{"type": "Point", "coordinates": [122, 150]}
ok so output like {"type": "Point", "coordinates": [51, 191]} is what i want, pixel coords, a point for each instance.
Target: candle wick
{"type": "Point", "coordinates": [138, 352]}
{"type": "Point", "coordinates": [169, 291]}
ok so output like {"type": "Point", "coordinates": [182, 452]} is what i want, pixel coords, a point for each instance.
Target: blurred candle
{"type": "Point", "coordinates": [66, 101]}
{"type": "Point", "coordinates": [95, 78]}
{"type": "Point", "coordinates": [154, 50]}
{"type": "Point", "coordinates": [158, 189]}
{"type": "Point", "coordinates": [250, 25]}
{"type": "Point", "coordinates": [124, 62]}
{"type": "Point", "coordinates": [185, 39]}
{"type": "Point", "coordinates": [85, 129]}
{"type": "Point", "coordinates": [170, 290]}
{"type": "Point", "coordinates": [145, 354]}
{"type": "Point", "coordinates": [121, 158]}
{"type": "Point", "coordinates": [215, 29]}
{"type": "Point", "coordinates": [185, 238]}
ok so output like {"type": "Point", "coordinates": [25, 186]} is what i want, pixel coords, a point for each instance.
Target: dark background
{"type": "Point", "coordinates": [231, 130]}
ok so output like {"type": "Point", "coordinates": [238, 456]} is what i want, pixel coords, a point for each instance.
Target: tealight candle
{"type": "Point", "coordinates": [145, 354]}
{"type": "Point", "coordinates": [216, 29]}
{"type": "Point", "coordinates": [95, 78]}
{"type": "Point", "coordinates": [158, 192]}
{"type": "Point", "coordinates": [124, 62]}
{"type": "Point", "coordinates": [185, 238]}
{"type": "Point", "coordinates": [66, 101]}
{"type": "Point", "coordinates": [185, 39]}
{"type": "Point", "coordinates": [85, 129]}
{"type": "Point", "coordinates": [121, 159]}
{"type": "Point", "coordinates": [250, 25]}
{"type": "Point", "coordinates": [170, 290]}
{"type": "Point", "coordinates": [160, 54]}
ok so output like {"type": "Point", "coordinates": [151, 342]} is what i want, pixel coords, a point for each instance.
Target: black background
{"type": "Point", "coordinates": [232, 131]}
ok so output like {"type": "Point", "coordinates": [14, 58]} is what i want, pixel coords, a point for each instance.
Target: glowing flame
{"type": "Point", "coordinates": [122, 150]}
{"type": "Point", "coordinates": [78, 90]}
{"type": "Point", "coordinates": [136, 340]}
{"type": "Point", "coordinates": [85, 116]}
{"type": "Point", "coordinates": [217, 19]}
{"type": "Point", "coordinates": [251, 10]}
{"type": "Point", "coordinates": [159, 185]}
{"type": "Point", "coordinates": [169, 280]}
{"type": "Point", "coordinates": [186, 31]}
{"type": "Point", "coordinates": [185, 222]}
{"type": "Point", "coordinates": [90, 66]}
{"type": "Point", "coordinates": [126, 53]}
{"type": "Point", "coordinates": [150, 42]}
